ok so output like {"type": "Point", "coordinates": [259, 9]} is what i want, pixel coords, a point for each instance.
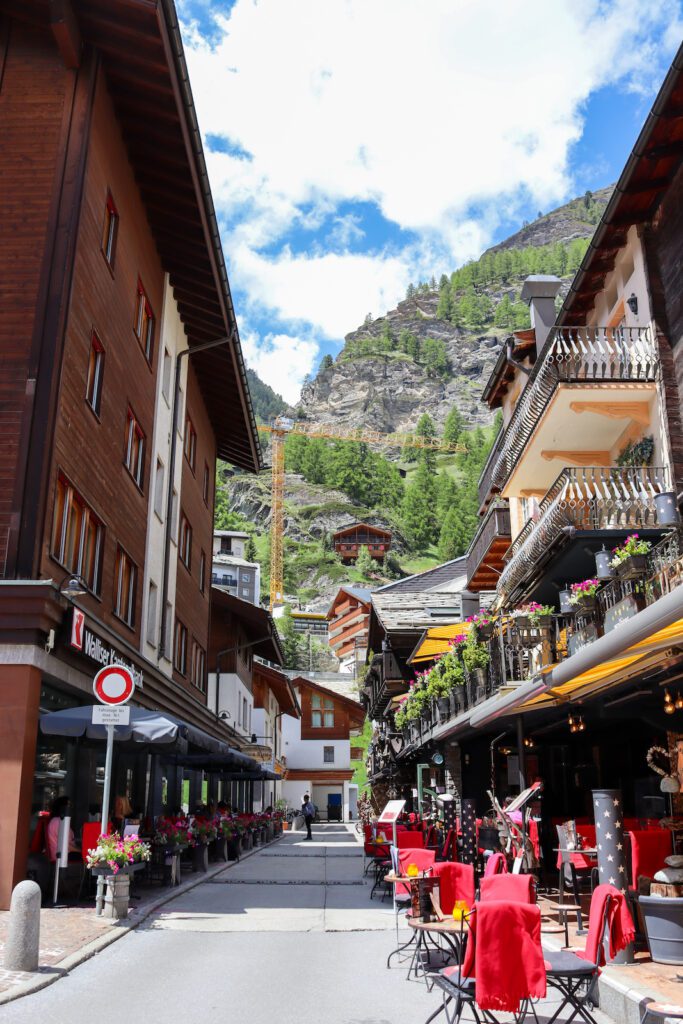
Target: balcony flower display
{"type": "Point", "coordinates": [630, 558]}
{"type": "Point", "coordinates": [203, 831]}
{"type": "Point", "coordinates": [172, 834]}
{"type": "Point", "coordinates": [583, 593]}
{"type": "Point", "coordinates": [482, 623]}
{"type": "Point", "coordinates": [540, 614]}
{"type": "Point", "coordinates": [118, 854]}
{"type": "Point", "coordinates": [522, 615]}
{"type": "Point", "coordinates": [476, 658]}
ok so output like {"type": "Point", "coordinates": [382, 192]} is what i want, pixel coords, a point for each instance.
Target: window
{"type": "Point", "coordinates": [77, 535]}
{"type": "Point", "coordinates": [159, 490]}
{"type": "Point", "coordinates": [134, 451]}
{"type": "Point", "coordinates": [205, 486]}
{"type": "Point", "coordinates": [244, 712]}
{"type": "Point", "coordinates": [166, 376]}
{"type": "Point", "coordinates": [226, 545]}
{"type": "Point", "coordinates": [322, 712]}
{"type": "Point", "coordinates": [110, 230]}
{"type": "Point", "coordinates": [144, 323]}
{"type": "Point", "coordinates": [328, 714]}
{"type": "Point", "coordinates": [202, 571]}
{"type": "Point", "coordinates": [174, 517]}
{"type": "Point", "coordinates": [190, 444]}
{"type": "Point", "coordinates": [93, 388]}
{"type": "Point", "coordinates": [185, 549]}
{"type": "Point", "coordinates": [168, 649]}
{"type": "Point", "coordinates": [124, 587]}
{"type": "Point", "coordinates": [152, 613]}
{"type": "Point", "coordinates": [180, 648]}
{"type": "Point", "coordinates": [246, 577]}
{"type": "Point", "coordinates": [328, 755]}
{"type": "Point", "coordinates": [197, 666]}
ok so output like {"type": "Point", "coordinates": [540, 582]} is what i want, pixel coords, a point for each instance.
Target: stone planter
{"type": "Point", "coordinates": [200, 857]}
{"type": "Point", "coordinates": [406, 734]}
{"type": "Point", "coordinates": [663, 921]}
{"type": "Point", "coordinates": [234, 848]}
{"type": "Point", "coordinates": [414, 731]}
{"type": "Point", "coordinates": [220, 848]}
{"type": "Point", "coordinates": [426, 718]}
{"type": "Point", "coordinates": [477, 679]}
{"type": "Point", "coordinates": [632, 568]}
{"type": "Point", "coordinates": [116, 896]}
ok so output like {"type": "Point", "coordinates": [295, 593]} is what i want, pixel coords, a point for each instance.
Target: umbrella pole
{"type": "Point", "coordinates": [104, 820]}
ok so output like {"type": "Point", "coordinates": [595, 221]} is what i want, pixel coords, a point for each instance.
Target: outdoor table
{"type": "Point", "coordinates": [407, 879]}
{"type": "Point", "coordinates": [449, 929]}
{"type": "Point", "coordinates": [588, 851]}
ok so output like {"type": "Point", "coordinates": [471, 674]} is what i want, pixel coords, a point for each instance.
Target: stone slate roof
{"type": "Point", "coordinates": [403, 612]}
{"type": "Point", "coordinates": [430, 579]}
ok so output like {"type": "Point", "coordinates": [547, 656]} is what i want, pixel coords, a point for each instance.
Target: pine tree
{"type": "Point", "coordinates": [443, 309]}
{"type": "Point", "coordinates": [327, 362]}
{"type": "Point", "coordinates": [365, 563]}
{"type": "Point", "coordinates": [425, 428]}
{"type": "Point", "coordinates": [434, 356]}
{"type": "Point", "coordinates": [418, 510]}
{"type": "Point", "coordinates": [314, 460]}
{"type": "Point", "coordinates": [292, 642]}
{"type": "Point", "coordinates": [453, 426]}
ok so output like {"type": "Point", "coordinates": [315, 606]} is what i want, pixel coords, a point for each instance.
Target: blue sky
{"type": "Point", "coordinates": [356, 145]}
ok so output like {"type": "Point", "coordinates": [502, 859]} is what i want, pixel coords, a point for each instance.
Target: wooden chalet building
{"type": "Point", "coordinates": [113, 409]}
{"type": "Point", "coordinates": [348, 541]}
{"type": "Point", "coordinates": [348, 617]}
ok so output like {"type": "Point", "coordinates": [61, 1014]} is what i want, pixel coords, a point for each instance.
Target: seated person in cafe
{"type": "Point", "coordinates": [60, 808]}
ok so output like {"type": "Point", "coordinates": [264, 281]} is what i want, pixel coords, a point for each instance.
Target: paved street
{"type": "Point", "coordinates": [290, 934]}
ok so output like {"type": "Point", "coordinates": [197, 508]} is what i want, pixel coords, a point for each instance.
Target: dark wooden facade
{"type": "Point", "coordinates": [348, 714]}
{"type": "Point", "coordinates": [348, 542]}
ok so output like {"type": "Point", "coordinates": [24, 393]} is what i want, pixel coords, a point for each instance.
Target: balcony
{"type": "Point", "coordinates": [485, 486]}
{"type": "Point", "coordinates": [591, 500]}
{"type": "Point", "coordinates": [588, 356]}
{"type": "Point", "coordinates": [485, 554]}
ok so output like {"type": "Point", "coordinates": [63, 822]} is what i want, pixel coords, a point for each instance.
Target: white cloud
{"type": "Point", "coordinates": [281, 360]}
{"type": "Point", "coordinates": [443, 115]}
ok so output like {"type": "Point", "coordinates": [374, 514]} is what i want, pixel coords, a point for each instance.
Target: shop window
{"type": "Point", "coordinates": [180, 648]}
{"type": "Point", "coordinates": [144, 323]}
{"type": "Point", "coordinates": [134, 451]}
{"type": "Point", "coordinates": [93, 389]}
{"type": "Point", "coordinates": [328, 755]}
{"type": "Point", "coordinates": [110, 230]}
{"type": "Point", "coordinates": [190, 443]}
{"type": "Point", "coordinates": [125, 578]}
{"type": "Point", "coordinates": [185, 546]}
{"type": "Point", "coordinates": [77, 535]}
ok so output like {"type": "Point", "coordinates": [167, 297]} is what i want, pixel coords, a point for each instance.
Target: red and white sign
{"type": "Point", "coordinates": [77, 624]}
{"type": "Point", "coordinates": [113, 685]}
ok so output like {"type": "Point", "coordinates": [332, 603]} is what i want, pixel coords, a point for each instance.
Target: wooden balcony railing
{"type": "Point", "coordinates": [485, 486]}
{"type": "Point", "coordinates": [586, 498]}
{"type": "Point", "coordinates": [495, 525]}
{"type": "Point", "coordinates": [574, 355]}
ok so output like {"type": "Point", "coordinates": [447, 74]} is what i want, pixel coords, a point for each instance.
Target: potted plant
{"type": "Point", "coordinates": [203, 833]}
{"type": "Point", "coordinates": [630, 558]}
{"type": "Point", "coordinates": [583, 595]}
{"type": "Point", "coordinates": [521, 617]}
{"type": "Point", "coordinates": [483, 624]}
{"type": "Point", "coordinates": [476, 658]}
{"type": "Point", "coordinates": [223, 837]}
{"type": "Point", "coordinates": [541, 615]}
{"type": "Point", "coordinates": [117, 859]}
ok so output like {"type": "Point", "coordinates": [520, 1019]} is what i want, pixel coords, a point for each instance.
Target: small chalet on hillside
{"type": "Point", "coordinates": [348, 617]}
{"type": "Point", "coordinates": [317, 748]}
{"type": "Point", "coordinates": [350, 539]}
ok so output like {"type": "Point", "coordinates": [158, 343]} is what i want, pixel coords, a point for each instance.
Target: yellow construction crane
{"type": "Point", "coordinates": [278, 431]}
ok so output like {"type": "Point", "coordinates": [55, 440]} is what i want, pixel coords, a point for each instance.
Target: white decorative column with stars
{"type": "Point", "coordinates": [611, 846]}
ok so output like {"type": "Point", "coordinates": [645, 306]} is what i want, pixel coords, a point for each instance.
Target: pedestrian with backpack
{"type": "Point", "coordinates": [308, 811]}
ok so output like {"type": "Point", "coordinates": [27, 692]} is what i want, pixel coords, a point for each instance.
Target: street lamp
{"type": "Point", "coordinates": [72, 586]}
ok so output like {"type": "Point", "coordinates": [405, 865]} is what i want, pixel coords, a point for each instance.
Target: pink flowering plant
{"type": "Point", "coordinates": [586, 588]}
{"type": "Point", "coordinates": [633, 545]}
{"type": "Point", "coordinates": [172, 833]}
{"type": "Point", "coordinates": [116, 853]}
{"type": "Point", "coordinates": [203, 830]}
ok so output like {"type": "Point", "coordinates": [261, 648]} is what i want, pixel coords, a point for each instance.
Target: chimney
{"type": "Point", "coordinates": [539, 290]}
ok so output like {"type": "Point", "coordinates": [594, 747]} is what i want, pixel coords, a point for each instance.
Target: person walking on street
{"type": "Point", "coordinates": [308, 811]}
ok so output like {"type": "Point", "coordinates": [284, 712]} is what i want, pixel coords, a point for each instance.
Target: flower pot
{"type": "Point", "coordinates": [542, 622]}
{"type": "Point", "coordinates": [220, 848]}
{"type": "Point", "coordinates": [477, 677]}
{"type": "Point", "coordinates": [116, 896]}
{"type": "Point", "coordinates": [663, 921]}
{"type": "Point", "coordinates": [444, 706]}
{"type": "Point", "coordinates": [632, 567]}
{"type": "Point", "coordinates": [521, 621]}
{"type": "Point", "coordinates": [284, 826]}
{"type": "Point", "coordinates": [666, 507]}
{"type": "Point", "coordinates": [485, 631]}
{"type": "Point", "coordinates": [585, 604]}
{"type": "Point", "coordinates": [234, 848]}
{"type": "Point", "coordinates": [414, 731]}
{"type": "Point", "coordinates": [426, 718]}
{"type": "Point", "coordinates": [200, 857]}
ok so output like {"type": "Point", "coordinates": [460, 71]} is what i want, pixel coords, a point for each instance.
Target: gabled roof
{"type": "Point", "coordinates": [430, 578]}
{"type": "Point", "coordinates": [140, 46]}
{"type": "Point", "coordinates": [653, 162]}
{"type": "Point", "coordinates": [281, 686]}
{"type": "Point", "coordinates": [258, 623]}
{"type": "Point", "coordinates": [519, 346]}
{"type": "Point", "coordinates": [360, 593]}
{"type": "Point", "coordinates": [416, 611]}
{"type": "Point", "coordinates": [354, 707]}
{"type": "Point", "coordinates": [358, 526]}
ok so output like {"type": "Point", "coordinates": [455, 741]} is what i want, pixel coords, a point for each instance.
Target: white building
{"type": "Point", "coordinates": [231, 570]}
{"type": "Point", "coordinates": [317, 747]}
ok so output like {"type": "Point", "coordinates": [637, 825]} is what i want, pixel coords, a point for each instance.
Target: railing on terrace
{"type": "Point", "coordinates": [484, 485]}
{"type": "Point", "coordinates": [664, 572]}
{"type": "Point", "coordinates": [586, 498]}
{"type": "Point", "coordinates": [573, 355]}
{"type": "Point", "coordinates": [496, 523]}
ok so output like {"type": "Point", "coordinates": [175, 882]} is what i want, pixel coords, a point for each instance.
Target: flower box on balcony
{"type": "Point", "coordinates": [632, 567]}
{"type": "Point", "coordinates": [584, 604]}
{"type": "Point", "coordinates": [444, 706]}
{"type": "Point", "coordinates": [477, 678]}
{"type": "Point", "coordinates": [521, 621]}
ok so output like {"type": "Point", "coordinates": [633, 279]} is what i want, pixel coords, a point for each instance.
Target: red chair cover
{"type": "Point", "coordinates": [39, 839]}
{"type": "Point", "coordinates": [495, 865]}
{"type": "Point", "coordinates": [424, 860]}
{"type": "Point", "coordinates": [505, 956]}
{"type": "Point", "coordinates": [648, 850]}
{"type": "Point", "coordinates": [409, 840]}
{"type": "Point", "coordinates": [620, 926]}
{"type": "Point", "coordinates": [456, 882]}
{"type": "Point", "coordinates": [513, 888]}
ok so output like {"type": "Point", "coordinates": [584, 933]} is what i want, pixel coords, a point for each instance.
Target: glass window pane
{"type": "Point", "coordinates": [329, 719]}
{"type": "Point", "coordinates": [316, 719]}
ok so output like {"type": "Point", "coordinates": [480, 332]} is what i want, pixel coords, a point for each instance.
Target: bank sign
{"type": "Point", "coordinates": [98, 650]}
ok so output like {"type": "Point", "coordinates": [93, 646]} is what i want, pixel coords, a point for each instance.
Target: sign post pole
{"type": "Point", "coordinates": [104, 819]}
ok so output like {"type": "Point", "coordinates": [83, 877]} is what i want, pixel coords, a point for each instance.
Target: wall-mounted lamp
{"type": "Point", "coordinates": [603, 569]}
{"type": "Point", "coordinates": [72, 586]}
{"type": "Point", "coordinates": [632, 303]}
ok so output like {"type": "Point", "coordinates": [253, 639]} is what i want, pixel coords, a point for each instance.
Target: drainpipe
{"type": "Point", "coordinates": [163, 633]}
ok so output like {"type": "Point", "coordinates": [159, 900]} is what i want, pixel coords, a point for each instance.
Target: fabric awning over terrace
{"type": "Point", "coordinates": [436, 641]}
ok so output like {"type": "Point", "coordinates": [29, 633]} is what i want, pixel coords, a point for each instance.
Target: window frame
{"type": "Point", "coordinates": [198, 666]}
{"type": "Point", "coordinates": [134, 455]}
{"type": "Point", "coordinates": [180, 647]}
{"type": "Point", "coordinates": [190, 443]}
{"type": "Point", "coordinates": [185, 542]}
{"type": "Point", "coordinates": [144, 323]}
{"type": "Point", "coordinates": [92, 577]}
{"type": "Point", "coordinates": [152, 599]}
{"type": "Point", "coordinates": [202, 570]}
{"type": "Point", "coordinates": [159, 489]}
{"type": "Point", "coordinates": [327, 749]}
{"type": "Point", "coordinates": [206, 485]}
{"type": "Point", "coordinates": [123, 559]}
{"type": "Point", "coordinates": [94, 400]}
{"type": "Point", "coordinates": [110, 231]}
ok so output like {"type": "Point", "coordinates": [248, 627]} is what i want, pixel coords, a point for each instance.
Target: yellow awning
{"type": "Point", "coordinates": [436, 641]}
{"type": "Point", "coordinates": [611, 672]}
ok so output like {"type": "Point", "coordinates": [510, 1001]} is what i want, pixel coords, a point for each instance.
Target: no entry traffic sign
{"type": "Point", "coordinates": [113, 685]}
